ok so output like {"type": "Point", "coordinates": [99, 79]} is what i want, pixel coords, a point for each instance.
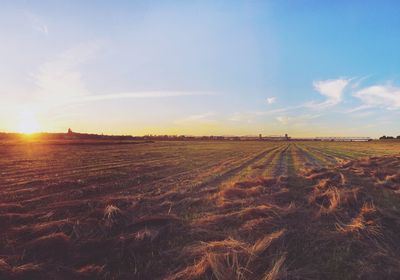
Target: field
{"type": "Point", "coordinates": [200, 210]}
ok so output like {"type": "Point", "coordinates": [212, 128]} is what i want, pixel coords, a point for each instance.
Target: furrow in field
{"type": "Point", "coordinates": [259, 169]}
{"type": "Point", "coordinates": [337, 156]}
{"type": "Point", "coordinates": [300, 162]}
{"type": "Point", "coordinates": [344, 153]}
{"type": "Point", "coordinates": [51, 202]}
{"type": "Point", "coordinates": [51, 169]}
{"type": "Point", "coordinates": [213, 184]}
{"type": "Point", "coordinates": [235, 167]}
{"type": "Point", "coordinates": [304, 159]}
{"type": "Point", "coordinates": [327, 159]}
{"type": "Point", "coordinates": [99, 168]}
{"type": "Point", "coordinates": [290, 162]}
{"type": "Point", "coordinates": [133, 182]}
{"type": "Point", "coordinates": [281, 165]}
{"type": "Point", "coordinates": [256, 168]}
{"type": "Point", "coordinates": [176, 179]}
{"type": "Point", "coordinates": [94, 172]}
{"type": "Point", "coordinates": [273, 161]}
{"type": "Point", "coordinates": [235, 171]}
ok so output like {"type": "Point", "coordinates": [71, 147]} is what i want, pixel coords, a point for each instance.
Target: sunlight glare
{"type": "Point", "coordinates": [28, 123]}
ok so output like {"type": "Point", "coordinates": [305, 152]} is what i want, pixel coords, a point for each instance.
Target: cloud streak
{"type": "Point", "coordinates": [142, 94]}
{"type": "Point", "coordinates": [384, 96]}
{"type": "Point", "coordinates": [296, 120]}
{"type": "Point", "coordinates": [37, 23]}
{"type": "Point", "coordinates": [205, 117]}
{"type": "Point", "coordinates": [60, 81]}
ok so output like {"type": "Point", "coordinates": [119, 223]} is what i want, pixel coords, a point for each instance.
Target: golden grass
{"type": "Point", "coordinates": [229, 259]}
{"type": "Point", "coordinates": [201, 212]}
{"type": "Point", "coordinates": [364, 223]}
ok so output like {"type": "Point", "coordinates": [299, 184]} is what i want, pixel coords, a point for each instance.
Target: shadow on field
{"type": "Point", "coordinates": [337, 223]}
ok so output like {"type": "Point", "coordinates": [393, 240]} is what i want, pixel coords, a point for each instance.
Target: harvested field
{"type": "Point", "coordinates": [200, 210]}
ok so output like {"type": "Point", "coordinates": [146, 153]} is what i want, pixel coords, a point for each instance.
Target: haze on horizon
{"type": "Point", "coordinates": [307, 68]}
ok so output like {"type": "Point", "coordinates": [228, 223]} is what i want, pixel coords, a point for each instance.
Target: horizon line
{"type": "Point", "coordinates": [197, 136]}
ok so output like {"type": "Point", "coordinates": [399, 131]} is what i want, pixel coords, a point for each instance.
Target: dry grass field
{"type": "Point", "coordinates": [200, 210]}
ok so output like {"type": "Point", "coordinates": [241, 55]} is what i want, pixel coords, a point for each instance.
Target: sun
{"type": "Point", "coordinates": [28, 123]}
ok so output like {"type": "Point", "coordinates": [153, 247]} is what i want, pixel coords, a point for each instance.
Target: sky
{"type": "Point", "coordinates": [306, 68]}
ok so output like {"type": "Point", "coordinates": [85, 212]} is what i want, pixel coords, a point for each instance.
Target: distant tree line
{"type": "Point", "coordinates": [388, 137]}
{"type": "Point", "coordinates": [66, 136]}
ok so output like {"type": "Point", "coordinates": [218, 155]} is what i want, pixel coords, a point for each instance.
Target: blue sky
{"type": "Point", "coordinates": [307, 68]}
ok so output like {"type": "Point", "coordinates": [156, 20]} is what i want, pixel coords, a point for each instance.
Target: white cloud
{"type": "Point", "coordinates": [196, 118]}
{"type": "Point", "coordinates": [358, 108]}
{"type": "Point", "coordinates": [201, 116]}
{"type": "Point", "coordinates": [358, 81]}
{"type": "Point", "coordinates": [42, 28]}
{"type": "Point", "coordinates": [250, 116]}
{"type": "Point", "coordinates": [37, 23]}
{"type": "Point", "coordinates": [385, 96]}
{"type": "Point", "coordinates": [271, 100]}
{"type": "Point", "coordinates": [242, 117]}
{"type": "Point", "coordinates": [296, 120]}
{"type": "Point", "coordinates": [278, 111]}
{"type": "Point", "coordinates": [331, 89]}
{"type": "Point", "coordinates": [142, 94]}
{"type": "Point", "coordinates": [283, 119]}
{"type": "Point", "coordinates": [60, 79]}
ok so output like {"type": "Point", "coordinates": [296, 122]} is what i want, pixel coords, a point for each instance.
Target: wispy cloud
{"type": "Point", "coordinates": [357, 81]}
{"type": "Point", "coordinates": [271, 100]}
{"type": "Point", "coordinates": [37, 23]}
{"type": "Point", "coordinates": [296, 120]}
{"type": "Point", "coordinates": [197, 118]}
{"type": "Point", "coordinates": [142, 94]}
{"type": "Point", "coordinates": [358, 108]}
{"type": "Point", "coordinates": [283, 119]}
{"type": "Point", "coordinates": [241, 117]}
{"type": "Point", "coordinates": [60, 79]}
{"type": "Point", "coordinates": [331, 89]}
{"type": "Point", "coordinates": [251, 115]}
{"type": "Point", "coordinates": [278, 110]}
{"type": "Point", "coordinates": [385, 96]}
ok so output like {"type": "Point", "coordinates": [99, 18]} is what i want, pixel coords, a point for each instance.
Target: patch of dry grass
{"type": "Point", "coordinates": [183, 221]}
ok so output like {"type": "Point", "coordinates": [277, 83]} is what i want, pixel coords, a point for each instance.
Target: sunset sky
{"type": "Point", "coordinates": [307, 68]}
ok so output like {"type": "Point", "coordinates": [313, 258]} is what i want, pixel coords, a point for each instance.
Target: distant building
{"type": "Point", "coordinates": [343, 139]}
{"type": "Point", "coordinates": [70, 135]}
{"type": "Point", "coordinates": [276, 138]}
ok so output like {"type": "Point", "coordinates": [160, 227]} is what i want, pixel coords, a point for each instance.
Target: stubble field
{"type": "Point", "coordinates": [200, 210]}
